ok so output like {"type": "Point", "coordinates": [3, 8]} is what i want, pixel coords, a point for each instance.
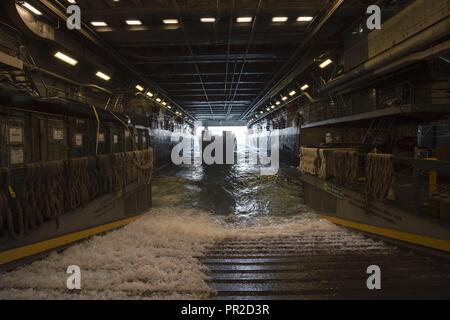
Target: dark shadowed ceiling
{"type": "Point", "coordinates": [218, 70]}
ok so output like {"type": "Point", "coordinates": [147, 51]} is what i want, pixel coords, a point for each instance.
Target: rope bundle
{"type": "Point", "coordinates": [143, 161]}
{"type": "Point", "coordinates": [346, 167]}
{"type": "Point", "coordinates": [380, 176]}
{"type": "Point", "coordinates": [326, 168]}
{"type": "Point", "coordinates": [50, 189]}
{"type": "Point", "coordinates": [309, 160]}
{"type": "Point", "coordinates": [105, 172]}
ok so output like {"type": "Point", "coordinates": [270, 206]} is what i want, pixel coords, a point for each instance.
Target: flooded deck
{"type": "Point", "coordinates": [229, 233]}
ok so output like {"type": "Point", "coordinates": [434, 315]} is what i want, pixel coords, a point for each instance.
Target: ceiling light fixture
{"type": "Point", "coordinates": [284, 98]}
{"type": "Point", "coordinates": [292, 93]}
{"type": "Point", "coordinates": [280, 19]}
{"type": "Point", "coordinates": [304, 19]}
{"type": "Point", "coordinates": [149, 94]}
{"type": "Point", "coordinates": [306, 86]}
{"type": "Point", "coordinates": [32, 9]}
{"type": "Point", "coordinates": [170, 21]}
{"type": "Point", "coordinates": [103, 76]}
{"type": "Point", "coordinates": [134, 22]}
{"type": "Point", "coordinates": [325, 64]}
{"type": "Point", "coordinates": [99, 23]}
{"type": "Point", "coordinates": [208, 20]}
{"type": "Point", "coordinates": [139, 87]}
{"type": "Point", "coordinates": [244, 19]}
{"type": "Point", "coordinates": [63, 57]}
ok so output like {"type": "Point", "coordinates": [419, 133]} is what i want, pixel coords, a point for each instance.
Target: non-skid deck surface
{"type": "Point", "coordinates": [315, 267]}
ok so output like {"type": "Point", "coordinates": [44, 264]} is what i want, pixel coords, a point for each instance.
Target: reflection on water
{"type": "Point", "coordinates": [237, 190]}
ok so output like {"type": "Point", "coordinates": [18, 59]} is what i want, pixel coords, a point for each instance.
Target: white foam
{"type": "Point", "coordinates": [156, 257]}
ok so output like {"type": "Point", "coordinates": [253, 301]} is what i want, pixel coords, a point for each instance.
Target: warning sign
{"type": "Point", "coordinates": [78, 140]}
{"type": "Point", "coordinates": [15, 135]}
{"type": "Point", "coordinates": [58, 134]}
{"type": "Point", "coordinates": [16, 156]}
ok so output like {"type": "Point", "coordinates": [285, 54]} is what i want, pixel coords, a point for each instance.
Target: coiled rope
{"type": "Point", "coordinates": [380, 177]}
{"type": "Point", "coordinates": [50, 189]}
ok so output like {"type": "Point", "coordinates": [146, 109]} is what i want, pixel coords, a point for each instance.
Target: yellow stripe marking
{"type": "Point", "coordinates": [29, 250]}
{"type": "Point", "coordinates": [425, 241]}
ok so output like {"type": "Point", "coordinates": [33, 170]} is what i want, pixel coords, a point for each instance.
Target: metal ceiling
{"type": "Point", "coordinates": [218, 70]}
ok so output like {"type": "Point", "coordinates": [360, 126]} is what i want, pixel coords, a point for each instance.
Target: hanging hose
{"type": "Point", "coordinates": [119, 173]}
{"type": "Point", "coordinates": [380, 177]}
{"type": "Point", "coordinates": [346, 167]}
{"type": "Point", "coordinates": [33, 215]}
{"type": "Point", "coordinates": [4, 207]}
{"type": "Point", "coordinates": [143, 161]}
{"type": "Point", "coordinates": [50, 189]}
{"type": "Point", "coordinates": [105, 173]}
{"type": "Point", "coordinates": [14, 212]}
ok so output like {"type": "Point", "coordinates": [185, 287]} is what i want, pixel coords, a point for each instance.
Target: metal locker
{"type": "Point", "coordinates": [15, 141]}
{"type": "Point", "coordinates": [54, 142]}
{"type": "Point", "coordinates": [78, 138]}
{"type": "Point", "coordinates": [116, 138]}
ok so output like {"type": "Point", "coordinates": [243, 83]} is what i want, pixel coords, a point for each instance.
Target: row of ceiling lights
{"type": "Point", "coordinates": [284, 98]}
{"type": "Point", "coordinates": [134, 22]}
{"type": "Point", "coordinates": [204, 20]}
{"type": "Point", "coordinates": [73, 62]}
{"type": "Point", "coordinates": [150, 94]}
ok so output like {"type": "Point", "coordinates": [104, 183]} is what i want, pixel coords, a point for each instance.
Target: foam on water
{"type": "Point", "coordinates": [156, 256]}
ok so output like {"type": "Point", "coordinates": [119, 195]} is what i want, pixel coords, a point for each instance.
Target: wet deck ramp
{"type": "Point", "coordinates": [321, 267]}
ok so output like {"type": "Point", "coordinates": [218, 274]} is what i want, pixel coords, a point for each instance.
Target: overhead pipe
{"type": "Point", "coordinates": [191, 51]}
{"type": "Point", "coordinates": [90, 35]}
{"type": "Point", "coordinates": [11, 97]}
{"type": "Point", "coordinates": [250, 39]}
{"type": "Point", "coordinates": [65, 79]}
{"type": "Point", "coordinates": [416, 43]}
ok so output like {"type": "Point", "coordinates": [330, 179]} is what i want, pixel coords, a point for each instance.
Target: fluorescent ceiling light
{"type": "Point", "coordinates": [325, 63]}
{"type": "Point", "coordinates": [158, 99]}
{"type": "Point", "coordinates": [63, 57]}
{"type": "Point", "coordinates": [32, 9]}
{"type": "Point", "coordinates": [102, 75]}
{"type": "Point", "coordinates": [99, 23]}
{"type": "Point", "coordinates": [279, 19]}
{"type": "Point", "coordinates": [304, 19]}
{"type": "Point", "coordinates": [150, 94]}
{"type": "Point", "coordinates": [273, 107]}
{"type": "Point", "coordinates": [284, 98]}
{"type": "Point", "coordinates": [164, 103]}
{"type": "Point", "coordinates": [208, 20]}
{"type": "Point", "coordinates": [278, 103]}
{"type": "Point", "coordinates": [292, 93]}
{"type": "Point", "coordinates": [140, 88]}
{"type": "Point", "coordinates": [169, 106]}
{"type": "Point", "coordinates": [244, 19]}
{"type": "Point", "coordinates": [261, 112]}
{"type": "Point", "coordinates": [170, 21]}
{"type": "Point", "coordinates": [71, 1]}
{"type": "Point", "coordinates": [268, 109]}
{"type": "Point", "coordinates": [306, 86]}
{"type": "Point", "coordinates": [134, 22]}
